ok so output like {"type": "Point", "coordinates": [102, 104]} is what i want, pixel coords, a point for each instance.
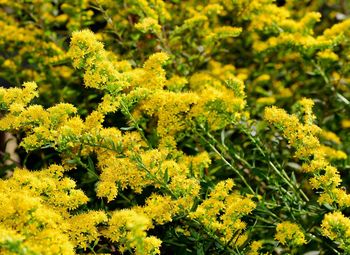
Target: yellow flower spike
{"type": "Point", "coordinates": [330, 136]}
{"type": "Point", "coordinates": [263, 78]}
{"type": "Point", "coordinates": [220, 33]}
{"type": "Point", "coordinates": [222, 104]}
{"type": "Point", "coordinates": [37, 205]}
{"type": "Point", "coordinates": [154, 74]}
{"type": "Point", "coordinates": [337, 195]}
{"type": "Point", "coordinates": [176, 83]}
{"type": "Point", "coordinates": [337, 29]}
{"type": "Point", "coordinates": [336, 227]}
{"type": "Point", "coordinates": [108, 104]}
{"type": "Point", "coordinates": [145, 7]}
{"type": "Point", "coordinates": [307, 105]}
{"type": "Point", "coordinates": [255, 246]}
{"type": "Point", "coordinates": [330, 179]}
{"type": "Point", "coordinates": [221, 213]}
{"type": "Point", "coordinates": [16, 99]}
{"type": "Point", "coordinates": [85, 49]}
{"type": "Point", "coordinates": [88, 53]}
{"type": "Point", "coordinates": [183, 186]}
{"type": "Point", "coordinates": [171, 109]}
{"type": "Point", "coordinates": [191, 23]}
{"type": "Point", "coordinates": [94, 121]}
{"type": "Point", "coordinates": [328, 55]}
{"type": "Point", "coordinates": [227, 31]}
{"type": "Point", "coordinates": [290, 234]}
{"type": "Point", "coordinates": [315, 165]}
{"type": "Point", "coordinates": [83, 229]}
{"type": "Point", "coordinates": [237, 85]}
{"type": "Point", "coordinates": [266, 100]}
{"type": "Point", "coordinates": [196, 165]}
{"type": "Point", "coordinates": [151, 246]}
{"type": "Point", "coordinates": [60, 112]}
{"type": "Point", "coordinates": [149, 25]}
{"type": "Point", "coordinates": [242, 239]}
{"type": "Point", "coordinates": [128, 228]}
{"type": "Point", "coordinates": [308, 21]}
{"type": "Point", "coordinates": [160, 209]}
{"type": "Point", "coordinates": [236, 206]}
{"type": "Point", "coordinates": [303, 137]}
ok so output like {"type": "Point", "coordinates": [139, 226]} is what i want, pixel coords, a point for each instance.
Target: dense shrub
{"type": "Point", "coordinates": [175, 127]}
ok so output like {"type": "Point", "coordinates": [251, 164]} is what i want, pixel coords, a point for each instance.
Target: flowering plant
{"type": "Point", "coordinates": [175, 127]}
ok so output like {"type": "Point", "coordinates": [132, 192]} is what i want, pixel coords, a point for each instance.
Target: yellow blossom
{"type": "Point", "coordinates": [337, 227]}
{"type": "Point", "coordinates": [290, 234]}
{"type": "Point", "coordinates": [129, 228]}
{"type": "Point", "coordinates": [83, 229]}
{"type": "Point", "coordinates": [149, 25]}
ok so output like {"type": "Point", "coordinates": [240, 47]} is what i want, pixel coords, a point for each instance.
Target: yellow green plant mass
{"type": "Point", "coordinates": [175, 127]}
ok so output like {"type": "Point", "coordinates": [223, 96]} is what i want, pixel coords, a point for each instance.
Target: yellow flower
{"type": "Point", "coordinates": [17, 96]}
{"type": "Point", "coordinates": [328, 135]}
{"type": "Point", "coordinates": [255, 247]}
{"type": "Point", "coordinates": [290, 234]}
{"type": "Point", "coordinates": [34, 211]}
{"type": "Point", "coordinates": [159, 208]}
{"type": "Point", "coordinates": [328, 55]}
{"type": "Point", "coordinates": [88, 53]}
{"type": "Point", "coordinates": [304, 138]}
{"type": "Point", "coordinates": [85, 48]}
{"type": "Point", "coordinates": [149, 25]}
{"type": "Point", "coordinates": [221, 213]}
{"type": "Point", "coordinates": [266, 100]}
{"type": "Point", "coordinates": [82, 230]}
{"type": "Point", "coordinates": [129, 229]}
{"type": "Point", "coordinates": [337, 227]}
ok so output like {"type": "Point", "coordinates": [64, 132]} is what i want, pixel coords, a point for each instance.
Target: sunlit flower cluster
{"type": "Point", "coordinates": [163, 127]}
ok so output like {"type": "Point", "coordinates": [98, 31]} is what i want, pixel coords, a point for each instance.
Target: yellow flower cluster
{"type": "Point", "coordinates": [337, 227]}
{"type": "Point", "coordinates": [303, 136]}
{"type": "Point", "coordinates": [189, 24]}
{"type": "Point", "coordinates": [287, 32]}
{"type": "Point", "coordinates": [152, 75]}
{"type": "Point", "coordinates": [149, 25]}
{"type": "Point", "coordinates": [197, 164]}
{"type": "Point", "coordinates": [35, 216]}
{"type": "Point", "coordinates": [170, 109]}
{"type": "Point", "coordinates": [146, 168]}
{"type": "Point", "coordinates": [34, 211]}
{"type": "Point", "coordinates": [124, 159]}
{"type": "Point", "coordinates": [255, 247]}
{"type": "Point", "coordinates": [44, 127]}
{"type": "Point", "coordinates": [175, 111]}
{"type": "Point", "coordinates": [83, 229]}
{"type": "Point", "coordinates": [143, 134]}
{"type": "Point", "coordinates": [88, 53]}
{"type": "Point", "coordinates": [15, 99]}
{"type": "Point", "coordinates": [222, 211]}
{"type": "Point", "coordinates": [328, 55]}
{"type": "Point", "coordinates": [128, 228]}
{"type": "Point", "coordinates": [290, 234]}
{"type": "Point", "coordinates": [220, 33]}
{"type": "Point", "coordinates": [330, 136]}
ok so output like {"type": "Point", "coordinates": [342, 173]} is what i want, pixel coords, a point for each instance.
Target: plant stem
{"type": "Point", "coordinates": [227, 163]}
{"type": "Point", "coordinates": [280, 173]}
